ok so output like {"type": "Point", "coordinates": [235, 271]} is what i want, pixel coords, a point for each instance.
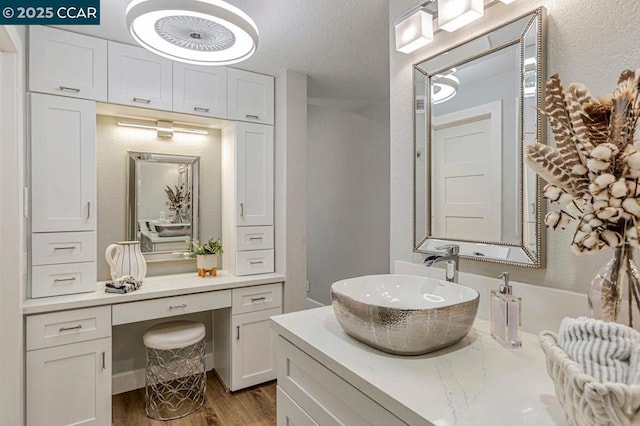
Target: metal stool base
{"type": "Point", "coordinates": [176, 382]}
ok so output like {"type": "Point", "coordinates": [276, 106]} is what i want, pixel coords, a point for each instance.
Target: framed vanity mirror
{"type": "Point", "coordinates": [475, 109]}
{"type": "Point", "coordinates": [162, 203]}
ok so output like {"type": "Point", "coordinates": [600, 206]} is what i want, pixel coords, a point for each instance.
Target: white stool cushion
{"type": "Point", "coordinates": [174, 335]}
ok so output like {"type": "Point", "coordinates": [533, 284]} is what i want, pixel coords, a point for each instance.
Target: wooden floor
{"type": "Point", "coordinates": [255, 406]}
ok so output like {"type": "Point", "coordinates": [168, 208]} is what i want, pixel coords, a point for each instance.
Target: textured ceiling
{"type": "Point", "coordinates": [342, 45]}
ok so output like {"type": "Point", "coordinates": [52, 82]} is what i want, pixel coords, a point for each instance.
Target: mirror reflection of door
{"type": "Point", "coordinates": [467, 152]}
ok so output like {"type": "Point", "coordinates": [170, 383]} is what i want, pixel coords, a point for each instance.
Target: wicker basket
{"type": "Point", "coordinates": [586, 401]}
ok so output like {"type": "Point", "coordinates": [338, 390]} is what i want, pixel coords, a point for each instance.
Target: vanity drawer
{"type": "Point", "coordinates": [323, 395]}
{"type": "Point", "coordinates": [256, 298]}
{"type": "Point", "coordinates": [57, 280]}
{"type": "Point", "coordinates": [63, 247]}
{"type": "Point", "coordinates": [254, 262]}
{"type": "Point", "coordinates": [126, 313]}
{"type": "Point", "coordinates": [61, 328]}
{"type": "Point", "coordinates": [254, 237]}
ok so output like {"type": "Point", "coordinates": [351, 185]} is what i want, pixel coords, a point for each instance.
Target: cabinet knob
{"type": "Point", "coordinates": [141, 100]}
{"type": "Point", "coordinates": [69, 89]}
{"type": "Point", "coordinates": [62, 280]}
{"type": "Point", "coordinates": [77, 327]}
{"type": "Point", "coordinates": [252, 116]}
{"type": "Point", "coordinates": [64, 248]}
{"type": "Point", "coordinates": [184, 305]}
{"type": "Point", "coordinates": [241, 209]}
{"type": "Point", "coordinates": [200, 109]}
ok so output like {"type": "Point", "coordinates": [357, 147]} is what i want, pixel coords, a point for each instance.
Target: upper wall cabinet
{"type": "Point", "coordinates": [251, 97]}
{"type": "Point", "coordinates": [63, 164]}
{"type": "Point", "coordinates": [200, 90]}
{"type": "Point", "coordinates": [138, 77]}
{"type": "Point", "coordinates": [68, 64]}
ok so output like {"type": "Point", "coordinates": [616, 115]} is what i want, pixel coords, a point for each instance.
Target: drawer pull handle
{"type": "Point", "coordinates": [258, 299]}
{"type": "Point", "coordinates": [255, 238]}
{"type": "Point", "coordinates": [256, 262]}
{"type": "Point", "coordinates": [200, 109]}
{"type": "Point", "coordinates": [62, 280]}
{"type": "Point", "coordinates": [184, 305]}
{"type": "Point", "coordinates": [104, 360]}
{"type": "Point", "coordinates": [255, 117]}
{"type": "Point", "coordinates": [241, 209]}
{"type": "Point", "coordinates": [77, 327]}
{"type": "Point", "coordinates": [237, 332]}
{"type": "Point", "coordinates": [69, 89]}
{"type": "Point", "coordinates": [142, 100]}
{"type": "Point", "coordinates": [64, 248]}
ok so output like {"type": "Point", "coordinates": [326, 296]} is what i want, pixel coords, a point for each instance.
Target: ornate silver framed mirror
{"type": "Point", "coordinates": [163, 198]}
{"type": "Point", "coordinates": [476, 107]}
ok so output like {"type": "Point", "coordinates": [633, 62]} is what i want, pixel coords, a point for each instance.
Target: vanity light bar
{"type": "Point", "coordinates": [163, 128]}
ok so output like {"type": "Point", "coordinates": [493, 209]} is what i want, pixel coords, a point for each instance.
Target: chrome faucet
{"type": "Point", "coordinates": [450, 255]}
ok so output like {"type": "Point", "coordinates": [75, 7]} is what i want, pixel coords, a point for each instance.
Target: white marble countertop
{"type": "Point", "coordinates": [152, 288]}
{"type": "Point", "coordinates": [475, 382]}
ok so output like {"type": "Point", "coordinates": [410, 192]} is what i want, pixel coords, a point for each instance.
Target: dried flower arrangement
{"type": "Point", "coordinates": [179, 200]}
{"type": "Point", "coordinates": [593, 173]}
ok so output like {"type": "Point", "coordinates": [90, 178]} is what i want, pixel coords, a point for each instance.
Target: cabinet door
{"type": "Point", "coordinates": [138, 77]}
{"type": "Point", "coordinates": [63, 164]}
{"type": "Point", "coordinates": [200, 90]}
{"type": "Point", "coordinates": [253, 349]}
{"type": "Point", "coordinates": [70, 384]}
{"type": "Point", "coordinates": [254, 174]}
{"type": "Point", "coordinates": [251, 97]}
{"type": "Point", "coordinates": [68, 64]}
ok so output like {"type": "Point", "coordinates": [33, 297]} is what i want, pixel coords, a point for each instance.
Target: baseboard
{"type": "Point", "coordinates": [132, 380]}
{"type": "Point", "coordinates": [313, 304]}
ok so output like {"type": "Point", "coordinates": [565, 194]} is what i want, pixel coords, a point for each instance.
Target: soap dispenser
{"type": "Point", "coordinates": [506, 314]}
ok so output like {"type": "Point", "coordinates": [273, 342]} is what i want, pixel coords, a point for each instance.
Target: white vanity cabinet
{"type": "Point", "coordinates": [200, 90]}
{"type": "Point", "coordinates": [251, 97]}
{"type": "Point", "coordinates": [316, 395]}
{"type": "Point", "coordinates": [245, 343]}
{"type": "Point", "coordinates": [68, 366]}
{"type": "Point", "coordinates": [67, 64]}
{"type": "Point", "coordinates": [63, 195]}
{"type": "Point", "coordinates": [139, 78]}
{"type": "Point", "coordinates": [248, 176]}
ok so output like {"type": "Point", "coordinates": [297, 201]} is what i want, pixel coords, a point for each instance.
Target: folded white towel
{"type": "Point", "coordinates": [603, 349]}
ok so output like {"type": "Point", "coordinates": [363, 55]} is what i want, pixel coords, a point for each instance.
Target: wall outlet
{"type": "Point", "coordinates": [308, 287]}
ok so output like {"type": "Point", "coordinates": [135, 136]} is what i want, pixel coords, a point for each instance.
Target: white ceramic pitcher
{"type": "Point", "coordinates": [125, 258]}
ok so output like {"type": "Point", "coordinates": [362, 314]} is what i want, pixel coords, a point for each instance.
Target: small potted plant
{"type": "Point", "coordinates": [206, 256]}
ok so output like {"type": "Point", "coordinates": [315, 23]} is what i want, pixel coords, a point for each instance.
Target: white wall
{"type": "Point", "coordinates": [348, 197]}
{"type": "Point", "coordinates": [113, 143]}
{"type": "Point", "coordinates": [588, 41]}
{"type": "Point", "coordinates": [290, 190]}
{"type": "Point", "coordinates": [12, 231]}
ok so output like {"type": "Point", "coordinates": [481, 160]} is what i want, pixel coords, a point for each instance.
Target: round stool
{"type": "Point", "coordinates": [176, 379]}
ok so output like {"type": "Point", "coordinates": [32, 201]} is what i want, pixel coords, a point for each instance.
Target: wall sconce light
{"type": "Point", "coordinates": [165, 129]}
{"type": "Point", "coordinates": [455, 14]}
{"type": "Point", "coordinates": [414, 29]}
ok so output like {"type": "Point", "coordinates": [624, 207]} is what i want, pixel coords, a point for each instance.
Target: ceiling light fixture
{"type": "Point", "coordinates": [414, 29]}
{"type": "Point", "coordinates": [164, 128]}
{"type": "Point", "coordinates": [507, 1]}
{"type": "Point", "coordinates": [455, 14]}
{"type": "Point", "coordinates": [203, 32]}
{"type": "Point", "coordinates": [443, 88]}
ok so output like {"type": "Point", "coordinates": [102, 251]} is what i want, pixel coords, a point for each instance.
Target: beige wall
{"type": "Point", "coordinates": [113, 143]}
{"type": "Point", "coordinates": [589, 41]}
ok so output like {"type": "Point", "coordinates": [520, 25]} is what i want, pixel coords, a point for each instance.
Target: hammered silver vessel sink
{"type": "Point", "coordinates": [404, 314]}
